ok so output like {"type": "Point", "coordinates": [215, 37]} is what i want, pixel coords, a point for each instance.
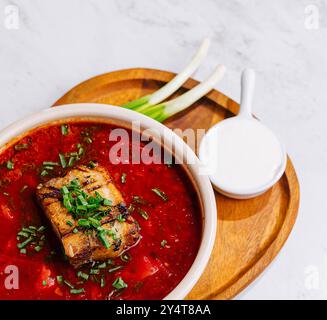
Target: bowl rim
{"type": "Point", "coordinates": [121, 114]}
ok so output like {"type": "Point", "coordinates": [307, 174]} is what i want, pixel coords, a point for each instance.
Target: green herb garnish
{"type": "Point", "coordinates": [69, 223]}
{"type": "Point", "coordinates": [87, 209]}
{"type": "Point", "coordinates": [123, 177]}
{"type": "Point", "coordinates": [60, 279]}
{"type": "Point", "coordinates": [92, 164]}
{"type": "Point", "coordinates": [160, 194]}
{"type": "Point", "coordinates": [50, 164]}
{"type": "Point", "coordinates": [163, 243]}
{"type": "Point", "coordinates": [125, 257]}
{"type": "Point", "coordinates": [121, 218]}
{"type": "Point", "coordinates": [38, 248]}
{"type": "Point", "coordinates": [119, 284]}
{"type": "Point", "coordinates": [82, 275]}
{"type": "Point", "coordinates": [10, 165]}
{"type": "Point", "coordinates": [62, 160]}
{"type": "Point", "coordinates": [139, 200]}
{"type": "Point", "coordinates": [64, 129]}
{"type": "Point", "coordinates": [44, 173]}
{"type": "Point", "coordinates": [115, 269]}
{"type": "Point", "coordinates": [77, 291]}
{"type": "Point", "coordinates": [94, 271]}
{"type": "Point", "coordinates": [19, 147]}
{"type": "Point", "coordinates": [143, 213]}
{"type": "Point", "coordinates": [67, 283]}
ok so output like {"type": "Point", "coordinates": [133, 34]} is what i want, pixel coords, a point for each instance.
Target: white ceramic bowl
{"type": "Point", "coordinates": [120, 114]}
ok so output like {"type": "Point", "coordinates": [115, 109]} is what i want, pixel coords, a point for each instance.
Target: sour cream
{"type": "Point", "coordinates": [242, 156]}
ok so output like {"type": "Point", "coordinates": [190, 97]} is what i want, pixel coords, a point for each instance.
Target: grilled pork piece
{"type": "Point", "coordinates": [83, 245]}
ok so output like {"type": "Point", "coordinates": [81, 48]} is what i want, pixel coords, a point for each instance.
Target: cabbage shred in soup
{"type": "Point", "coordinates": [159, 201]}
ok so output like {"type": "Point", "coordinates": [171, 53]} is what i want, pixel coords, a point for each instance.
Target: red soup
{"type": "Point", "coordinates": [159, 197]}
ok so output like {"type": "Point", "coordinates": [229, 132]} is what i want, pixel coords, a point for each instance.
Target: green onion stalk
{"type": "Point", "coordinates": [153, 106]}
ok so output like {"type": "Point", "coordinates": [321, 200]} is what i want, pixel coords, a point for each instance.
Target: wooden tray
{"type": "Point", "coordinates": [250, 232]}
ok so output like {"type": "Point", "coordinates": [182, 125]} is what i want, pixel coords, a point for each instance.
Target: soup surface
{"type": "Point", "coordinates": [169, 220]}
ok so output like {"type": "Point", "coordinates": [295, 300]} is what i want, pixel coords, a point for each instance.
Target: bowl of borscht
{"type": "Point", "coordinates": [100, 202]}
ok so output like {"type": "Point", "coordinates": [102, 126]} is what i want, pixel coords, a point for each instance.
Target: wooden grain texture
{"type": "Point", "coordinates": [250, 232]}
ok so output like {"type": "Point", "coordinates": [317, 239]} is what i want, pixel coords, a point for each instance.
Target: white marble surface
{"type": "Point", "coordinates": [60, 43]}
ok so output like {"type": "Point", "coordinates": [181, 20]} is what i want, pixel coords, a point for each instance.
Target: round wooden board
{"type": "Point", "coordinates": [250, 232]}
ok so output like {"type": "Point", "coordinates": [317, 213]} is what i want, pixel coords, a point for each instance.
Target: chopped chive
{"type": "Point", "coordinates": [131, 208]}
{"type": "Point", "coordinates": [163, 243]}
{"type": "Point", "coordinates": [64, 190]}
{"type": "Point", "coordinates": [44, 173]}
{"type": "Point", "coordinates": [95, 223]}
{"type": "Point", "coordinates": [77, 291]}
{"type": "Point", "coordinates": [119, 284]}
{"type": "Point", "coordinates": [94, 271]}
{"type": "Point", "coordinates": [102, 265]}
{"type": "Point", "coordinates": [88, 140]}
{"type": "Point", "coordinates": [83, 223]}
{"type": "Point", "coordinates": [28, 230]}
{"type": "Point", "coordinates": [62, 160]}
{"type": "Point", "coordinates": [41, 229]}
{"type": "Point", "coordinates": [125, 257]}
{"type": "Point", "coordinates": [115, 269]}
{"type": "Point", "coordinates": [102, 282]}
{"type": "Point", "coordinates": [24, 244]}
{"type": "Point", "coordinates": [23, 251]}
{"type": "Point", "coordinates": [23, 189]}
{"type": "Point", "coordinates": [64, 129]}
{"type": "Point", "coordinates": [10, 165]}
{"type": "Point", "coordinates": [38, 248]}
{"type": "Point", "coordinates": [67, 283]}
{"type": "Point", "coordinates": [71, 161]}
{"type": "Point", "coordinates": [143, 213]}
{"type": "Point", "coordinates": [107, 202]}
{"type": "Point", "coordinates": [110, 261]}
{"type": "Point", "coordinates": [50, 164]}
{"type": "Point", "coordinates": [92, 164]}
{"type": "Point", "coordinates": [69, 223]}
{"type": "Point", "coordinates": [82, 200]}
{"type": "Point", "coordinates": [22, 146]}
{"type": "Point", "coordinates": [121, 218]}
{"type": "Point", "coordinates": [32, 228]}
{"type": "Point", "coordinates": [160, 193]}
{"type": "Point", "coordinates": [75, 230]}
{"type": "Point", "coordinates": [103, 239]}
{"type": "Point", "coordinates": [73, 154]}
{"type": "Point", "coordinates": [48, 168]}
{"type": "Point", "coordinates": [60, 279]}
{"type": "Point", "coordinates": [44, 283]}
{"type": "Point", "coordinates": [23, 234]}
{"type": "Point", "coordinates": [80, 151]}
{"type": "Point", "coordinates": [139, 200]}
{"type": "Point", "coordinates": [82, 275]}
{"type": "Point", "coordinates": [123, 177]}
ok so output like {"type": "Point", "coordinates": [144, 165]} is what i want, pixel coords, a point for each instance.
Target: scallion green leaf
{"type": "Point", "coordinates": [119, 284]}
{"type": "Point", "coordinates": [10, 165]}
{"type": "Point", "coordinates": [160, 194]}
{"type": "Point", "coordinates": [62, 160]}
{"type": "Point", "coordinates": [64, 129]}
